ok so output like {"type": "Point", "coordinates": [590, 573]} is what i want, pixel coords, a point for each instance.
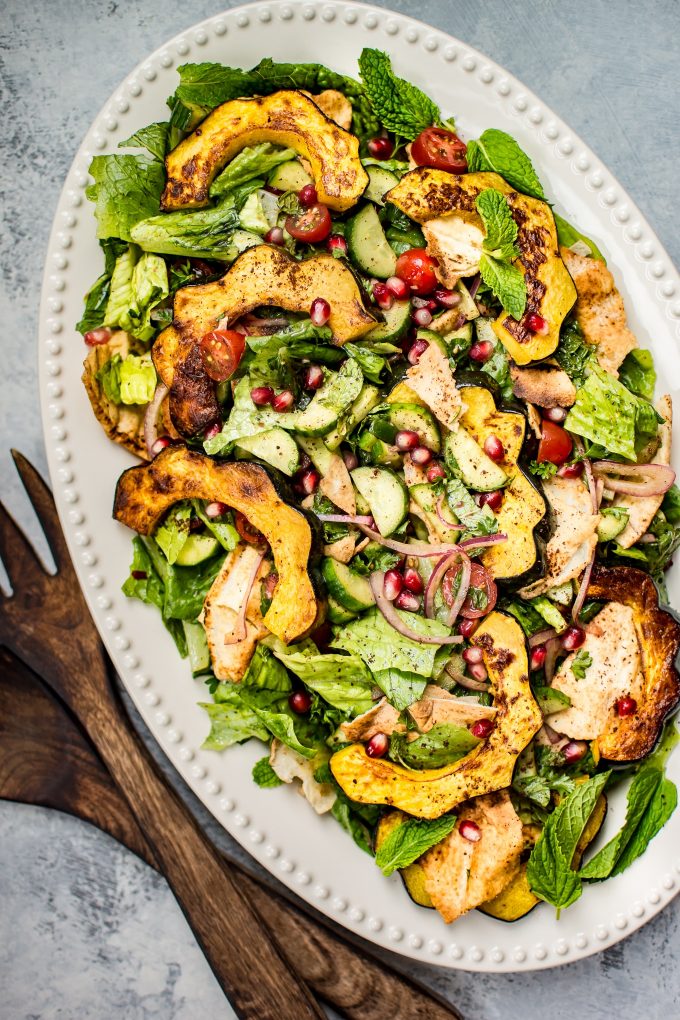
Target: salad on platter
{"type": "Point", "coordinates": [405, 499]}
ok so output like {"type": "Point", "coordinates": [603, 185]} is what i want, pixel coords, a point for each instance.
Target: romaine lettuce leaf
{"type": "Point", "coordinates": [341, 680]}
{"type": "Point", "coordinates": [637, 373]}
{"type": "Point", "coordinates": [223, 530]}
{"type": "Point", "coordinates": [129, 380]}
{"type": "Point", "coordinates": [139, 282]}
{"type": "Point", "coordinates": [400, 688]}
{"type": "Point", "coordinates": [172, 534]}
{"type": "Point", "coordinates": [126, 189]}
{"type": "Point", "coordinates": [231, 721]}
{"type": "Point", "coordinates": [381, 647]}
{"type": "Point", "coordinates": [146, 584]}
{"type": "Point", "coordinates": [253, 161]}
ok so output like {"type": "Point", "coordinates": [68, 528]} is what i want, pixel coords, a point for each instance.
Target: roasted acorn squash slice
{"type": "Point", "coordinates": [263, 275]}
{"type": "Point", "coordinates": [425, 194]}
{"type": "Point", "coordinates": [524, 508]}
{"type": "Point", "coordinates": [633, 736]}
{"type": "Point", "coordinates": [144, 493]}
{"type": "Point", "coordinates": [489, 767]}
{"type": "Point", "coordinates": [286, 118]}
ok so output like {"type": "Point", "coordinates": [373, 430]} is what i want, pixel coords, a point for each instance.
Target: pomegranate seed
{"type": "Point", "coordinates": [320, 311]}
{"type": "Point", "coordinates": [416, 350]}
{"type": "Point", "coordinates": [216, 509]}
{"type": "Point", "coordinates": [573, 638]}
{"type": "Point", "coordinates": [556, 414]}
{"type": "Point", "coordinates": [494, 500]}
{"type": "Point", "coordinates": [473, 654]}
{"type": "Point", "coordinates": [382, 296]}
{"type": "Point", "coordinates": [478, 671]}
{"type": "Point", "coordinates": [274, 236]}
{"type": "Point", "coordinates": [424, 302]}
{"type": "Point", "coordinates": [493, 448]}
{"type": "Point", "coordinates": [422, 316]}
{"type": "Point", "coordinates": [313, 377]}
{"type": "Point", "coordinates": [380, 148]}
{"type": "Point", "coordinates": [336, 245]}
{"type": "Point", "coordinates": [482, 728]}
{"type": "Point", "coordinates": [626, 706]}
{"type": "Point", "coordinates": [95, 337]}
{"type": "Point", "coordinates": [307, 481]}
{"type": "Point", "coordinates": [351, 460]}
{"type": "Point", "coordinates": [574, 470]}
{"type": "Point", "coordinates": [538, 657]}
{"type": "Point", "coordinates": [269, 584]}
{"type": "Point", "coordinates": [160, 444]}
{"type": "Point", "coordinates": [261, 395]}
{"type": "Point", "coordinates": [537, 324]}
{"type": "Point", "coordinates": [283, 400]}
{"type": "Point", "coordinates": [300, 702]}
{"type": "Point", "coordinates": [481, 351]}
{"type": "Point", "coordinates": [304, 461]}
{"type": "Point", "coordinates": [397, 287]}
{"type": "Point", "coordinates": [468, 627]}
{"type": "Point", "coordinates": [413, 581]}
{"type": "Point", "coordinates": [378, 745]}
{"type": "Point", "coordinates": [139, 575]}
{"type": "Point", "coordinates": [435, 472]}
{"type": "Point", "coordinates": [406, 600]}
{"type": "Point", "coordinates": [406, 440]}
{"type": "Point", "coordinates": [212, 430]}
{"type": "Point", "coordinates": [574, 751]}
{"type": "Point", "coordinates": [470, 830]}
{"type": "Point", "coordinates": [393, 584]}
{"type": "Point", "coordinates": [307, 196]}
{"type": "Point", "coordinates": [421, 456]}
{"type": "Point", "coordinates": [447, 298]}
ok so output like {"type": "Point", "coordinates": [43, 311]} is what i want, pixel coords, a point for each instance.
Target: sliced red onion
{"type": "Point", "coordinates": [151, 418]}
{"type": "Point", "coordinates": [590, 478]}
{"type": "Point", "coordinates": [417, 549]}
{"type": "Point", "coordinates": [558, 740]}
{"type": "Point", "coordinates": [359, 520]}
{"type": "Point", "coordinates": [240, 628]}
{"type": "Point", "coordinates": [542, 636]}
{"type": "Point", "coordinates": [463, 588]}
{"type": "Point", "coordinates": [654, 479]}
{"type": "Point", "coordinates": [254, 325]}
{"type": "Point", "coordinates": [583, 589]}
{"type": "Point", "coordinates": [376, 581]}
{"type": "Point", "coordinates": [474, 286]}
{"type": "Point", "coordinates": [469, 683]}
{"type": "Point", "coordinates": [436, 578]}
{"type": "Point", "coordinates": [483, 541]}
{"type": "Point", "coordinates": [552, 650]}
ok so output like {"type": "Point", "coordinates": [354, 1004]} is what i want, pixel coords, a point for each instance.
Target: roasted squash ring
{"type": "Point", "coordinates": [144, 493]}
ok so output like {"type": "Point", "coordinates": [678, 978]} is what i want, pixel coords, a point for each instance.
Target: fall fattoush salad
{"type": "Point", "coordinates": [406, 499]}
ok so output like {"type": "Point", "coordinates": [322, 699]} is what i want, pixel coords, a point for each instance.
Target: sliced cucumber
{"type": "Point", "coordinates": [467, 303]}
{"type": "Point", "coordinates": [196, 549]}
{"type": "Point", "coordinates": [338, 614]}
{"type": "Point", "coordinates": [351, 590]}
{"type": "Point", "coordinates": [336, 396]}
{"type": "Point", "coordinates": [367, 244]}
{"type": "Point", "coordinates": [551, 700]}
{"type": "Point", "coordinates": [386, 495]}
{"type": "Point", "coordinates": [275, 447]}
{"type": "Point", "coordinates": [433, 338]}
{"type": "Point", "coordinates": [442, 519]}
{"type": "Point", "coordinates": [317, 451]}
{"type": "Point", "coordinates": [197, 647]}
{"type": "Point", "coordinates": [414, 418]}
{"type": "Point", "coordinates": [466, 458]}
{"type": "Point", "coordinates": [242, 239]}
{"type": "Point", "coordinates": [613, 520]}
{"type": "Point", "coordinates": [368, 398]}
{"type": "Point", "coordinates": [485, 331]}
{"type": "Point", "coordinates": [550, 613]}
{"type": "Point", "coordinates": [377, 451]}
{"type": "Point", "coordinates": [290, 176]}
{"type": "Point", "coordinates": [396, 324]}
{"type": "Point", "coordinates": [380, 181]}
{"type": "Point", "coordinates": [465, 509]}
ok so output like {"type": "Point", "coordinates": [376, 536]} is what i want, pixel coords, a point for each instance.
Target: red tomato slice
{"type": "Point", "coordinates": [246, 530]}
{"type": "Point", "coordinates": [482, 594]}
{"type": "Point", "coordinates": [555, 445]}
{"type": "Point", "coordinates": [441, 149]}
{"type": "Point", "coordinates": [221, 352]}
{"type": "Point", "coordinates": [416, 268]}
{"type": "Point", "coordinates": [311, 226]}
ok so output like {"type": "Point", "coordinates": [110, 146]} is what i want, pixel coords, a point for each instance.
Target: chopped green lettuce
{"type": "Point", "coordinates": [139, 282]}
{"type": "Point", "coordinates": [253, 161]}
{"type": "Point", "coordinates": [253, 215]}
{"type": "Point", "coordinates": [146, 584]}
{"type": "Point", "coordinates": [231, 721]}
{"type": "Point", "coordinates": [341, 680]}
{"type": "Point", "coordinates": [129, 380]}
{"type": "Point", "coordinates": [637, 373]}
{"type": "Point", "coordinates": [381, 647]}
{"type": "Point", "coordinates": [172, 534]}
{"type": "Point", "coordinates": [399, 687]}
{"type": "Point", "coordinates": [568, 235]}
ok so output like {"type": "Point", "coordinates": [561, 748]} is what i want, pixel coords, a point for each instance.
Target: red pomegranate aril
{"type": "Point", "coordinates": [413, 581]}
{"type": "Point", "coordinates": [416, 351]}
{"type": "Point", "coordinates": [336, 245]}
{"type": "Point", "coordinates": [494, 500]}
{"type": "Point", "coordinates": [307, 482]}
{"type": "Point", "coordinates": [477, 670]}
{"type": "Point", "coordinates": [408, 601]}
{"type": "Point", "coordinates": [313, 377]}
{"type": "Point", "coordinates": [472, 654]}
{"type": "Point", "coordinates": [447, 298]}
{"type": "Point", "coordinates": [161, 443]}
{"type": "Point", "coordinates": [300, 702]}
{"type": "Point", "coordinates": [422, 316]}
{"type": "Point", "coordinates": [537, 324]}
{"type": "Point", "coordinates": [573, 638]}
{"type": "Point", "coordinates": [493, 448]}
{"type": "Point", "coordinates": [139, 575]}
{"type": "Point", "coordinates": [482, 728]}
{"type": "Point", "coordinates": [304, 461]}
{"type": "Point", "coordinates": [269, 584]}
{"type": "Point", "coordinates": [556, 414]}
{"type": "Point", "coordinates": [574, 470]}
{"type": "Point", "coordinates": [397, 287]}
{"type": "Point", "coordinates": [481, 351]}
{"type": "Point", "coordinates": [283, 400]}
{"type": "Point", "coordinates": [538, 657]}
{"type": "Point", "coordinates": [468, 627]}
{"type": "Point", "coordinates": [574, 751]}
{"type": "Point", "coordinates": [406, 440]}
{"type": "Point", "coordinates": [212, 430]}
{"type": "Point", "coordinates": [262, 395]}
{"type": "Point", "coordinates": [382, 296]}
{"type": "Point", "coordinates": [470, 830]}
{"type": "Point", "coordinates": [351, 460]}
{"type": "Point", "coordinates": [95, 337]}
{"type": "Point", "coordinates": [378, 745]}
{"type": "Point", "coordinates": [626, 706]}
{"type": "Point", "coordinates": [274, 236]}
{"type": "Point", "coordinates": [424, 302]}
{"type": "Point", "coordinates": [380, 148]}
{"type": "Point", "coordinates": [421, 456]}
{"type": "Point", "coordinates": [216, 509]}
{"type": "Point", "coordinates": [435, 472]}
{"type": "Point", "coordinates": [320, 311]}
{"type": "Point", "coordinates": [307, 196]}
{"type": "Point", "coordinates": [392, 584]}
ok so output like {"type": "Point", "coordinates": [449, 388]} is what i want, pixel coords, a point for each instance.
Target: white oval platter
{"type": "Point", "coordinates": [309, 854]}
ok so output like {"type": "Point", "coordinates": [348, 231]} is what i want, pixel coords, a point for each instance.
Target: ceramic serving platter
{"type": "Point", "coordinates": [309, 854]}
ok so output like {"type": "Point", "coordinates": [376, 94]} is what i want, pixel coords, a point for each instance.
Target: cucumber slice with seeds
{"type": "Point", "coordinates": [351, 590]}
{"type": "Point", "coordinates": [368, 246]}
{"type": "Point", "coordinates": [386, 495]}
{"type": "Point", "coordinates": [380, 181]}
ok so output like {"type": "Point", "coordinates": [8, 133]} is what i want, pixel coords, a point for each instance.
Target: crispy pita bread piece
{"type": "Point", "coordinates": [546, 387]}
{"type": "Point", "coordinates": [335, 106]}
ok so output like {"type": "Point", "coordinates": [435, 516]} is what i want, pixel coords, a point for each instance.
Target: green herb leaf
{"type": "Point", "coordinates": [543, 469]}
{"type": "Point", "coordinates": [400, 106]}
{"type": "Point", "coordinates": [500, 227]}
{"type": "Point", "coordinates": [153, 138]}
{"type": "Point", "coordinates": [263, 774]}
{"type": "Point", "coordinates": [506, 282]}
{"type": "Point", "coordinates": [231, 721]}
{"type": "Point", "coordinates": [341, 680]}
{"type": "Point", "coordinates": [410, 840]}
{"type": "Point", "coordinates": [640, 794]}
{"type": "Point", "coordinates": [499, 152]}
{"type": "Point", "coordinates": [573, 353]}
{"type": "Point", "coordinates": [441, 745]}
{"type": "Point", "coordinates": [567, 235]}
{"type": "Point", "coordinates": [660, 809]}
{"type": "Point", "coordinates": [581, 663]}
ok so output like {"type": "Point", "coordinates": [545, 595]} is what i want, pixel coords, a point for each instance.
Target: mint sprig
{"type": "Point", "coordinates": [504, 279]}
{"type": "Point", "coordinates": [400, 106]}
{"type": "Point", "coordinates": [410, 840]}
{"type": "Point", "coordinates": [498, 152]}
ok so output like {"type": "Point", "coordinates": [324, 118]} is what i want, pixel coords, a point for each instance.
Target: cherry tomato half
{"type": "Point", "coordinates": [555, 445]}
{"type": "Point", "coordinates": [416, 268]}
{"type": "Point", "coordinates": [482, 594]}
{"type": "Point", "coordinates": [246, 530]}
{"type": "Point", "coordinates": [221, 351]}
{"type": "Point", "coordinates": [312, 225]}
{"type": "Point", "coordinates": [441, 149]}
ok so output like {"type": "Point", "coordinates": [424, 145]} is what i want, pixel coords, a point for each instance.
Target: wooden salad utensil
{"type": "Point", "coordinates": [47, 759]}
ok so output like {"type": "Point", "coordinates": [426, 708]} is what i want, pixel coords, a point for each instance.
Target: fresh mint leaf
{"type": "Point", "coordinates": [506, 282]}
{"type": "Point", "coordinates": [410, 840]}
{"type": "Point", "coordinates": [263, 774]}
{"type": "Point", "coordinates": [500, 227]}
{"type": "Point", "coordinates": [498, 151]}
{"type": "Point", "coordinates": [581, 663]}
{"type": "Point", "coordinates": [544, 469]}
{"type": "Point", "coordinates": [399, 687]}
{"type": "Point", "coordinates": [568, 235]}
{"type": "Point", "coordinates": [400, 106]}
{"type": "Point", "coordinates": [539, 788]}
{"type": "Point", "coordinates": [640, 794]}
{"type": "Point", "coordinates": [441, 745]}
{"type": "Point", "coordinates": [660, 809]}
{"type": "Point", "coordinates": [126, 189]}
{"type": "Point", "coordinates": [153, 138]}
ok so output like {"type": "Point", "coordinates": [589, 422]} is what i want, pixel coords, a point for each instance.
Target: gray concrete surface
{"type": "Point", "coordinates": [86, 930]}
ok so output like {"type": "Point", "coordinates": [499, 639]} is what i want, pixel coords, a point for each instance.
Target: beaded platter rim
{"type": "Point", "coordinates": [538, 943]}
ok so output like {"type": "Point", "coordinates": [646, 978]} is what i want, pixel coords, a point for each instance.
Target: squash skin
{"type": "Point", "coordinates": [634, 736]}
{"type": "Point", "coordinates": [145, 492]}
{"type": "Point", "coordinates": [487, 768]}
{"type": "Point", "coordinates": [263, 275]}
{"type": "Point", "coordinates": [425, 194]}
{"type": "Point", "coordinates": [288, 118]}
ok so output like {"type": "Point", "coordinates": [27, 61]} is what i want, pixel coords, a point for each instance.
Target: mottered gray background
{"type": "Point", "coordinates": [86, 929]}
